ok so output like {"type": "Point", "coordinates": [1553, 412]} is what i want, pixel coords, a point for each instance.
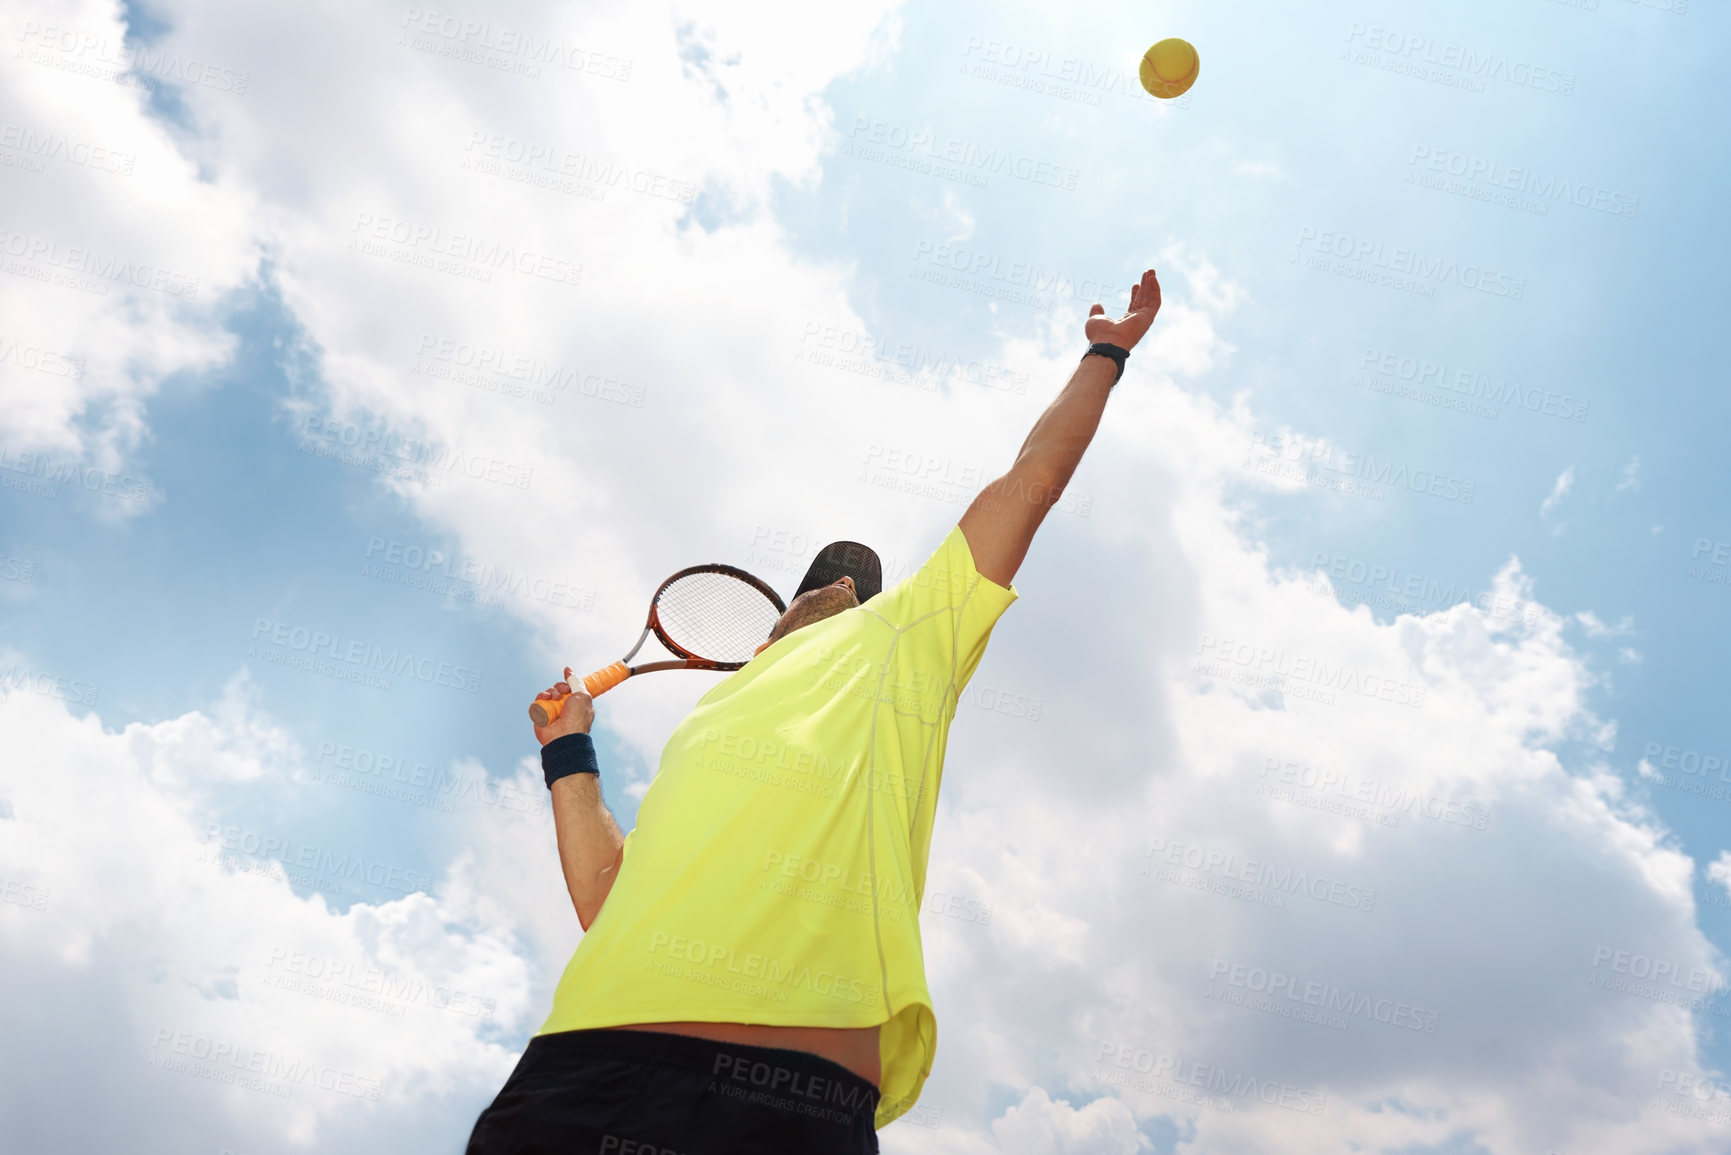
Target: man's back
{"type": "Point", "coordinates": [779, 858]}
{"type": "Point", "coordinates": [774, 879]}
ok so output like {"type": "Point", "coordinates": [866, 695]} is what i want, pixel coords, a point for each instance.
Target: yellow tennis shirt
{"type": "Point", "coordinates": [777, 867]}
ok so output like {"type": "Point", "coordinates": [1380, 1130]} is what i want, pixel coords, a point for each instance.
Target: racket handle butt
{"type": "Point", "coordinates": [542, 713]}
{"type": "Point", "coordinates": [601, 681]}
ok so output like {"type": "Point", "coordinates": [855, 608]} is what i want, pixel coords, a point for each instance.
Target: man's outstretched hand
{"type": "Point", "coordinates": [1128, 329]}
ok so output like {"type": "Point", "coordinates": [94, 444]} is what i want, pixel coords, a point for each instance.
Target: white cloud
{"type": "Point", "coordinates": [119, 253]}
{"type": "Point", "coordinates": [1162, 726]}
{"type": "Point", "coordinates": [1596, 628]}
{"type": "Point", "coordinates": [1631, 479]}
{"type": "Point", "coordinates": [1039, 1126]}
{"type": "Point", "coordinates": [187, 937]}
{"type": "Point", "coordinates": [1719, 870]}
{"type": "Point", "coordinates": [720, 98]}
{"type": "Point", "coordinates": [1182, 750]}
{"type": "Point", "coordinates": [1564, 483]}
{"type": "Point", "coordinates": [961, 220]}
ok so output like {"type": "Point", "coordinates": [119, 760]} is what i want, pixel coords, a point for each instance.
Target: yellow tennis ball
{"type": "Point", "coordinates": [1169, 68]}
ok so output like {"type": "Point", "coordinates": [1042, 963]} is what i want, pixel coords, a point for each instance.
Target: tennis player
{"type": "Point", "coordinates": [752, 979]}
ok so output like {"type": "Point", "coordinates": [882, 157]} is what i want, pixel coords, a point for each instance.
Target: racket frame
{"type": "Point", "coordinates": [686, 660]}
{"type": "Point", "coordinates": [693, 661]}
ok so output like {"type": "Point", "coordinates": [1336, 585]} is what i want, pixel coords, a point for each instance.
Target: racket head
{"type": "Point", "coordinates": [715, 614]}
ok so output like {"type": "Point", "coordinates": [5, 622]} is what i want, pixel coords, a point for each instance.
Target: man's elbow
{"type": "Point", "coordinates": [589, 908]}
{"type": "Point", "coordinates": [589, 904]}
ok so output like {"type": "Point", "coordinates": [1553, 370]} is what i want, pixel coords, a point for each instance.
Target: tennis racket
{"type": "Point", "coordinates": [713, 616]}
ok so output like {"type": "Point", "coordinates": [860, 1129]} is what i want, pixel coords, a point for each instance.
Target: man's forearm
{"type": "Point", "coordinates": [591, 847]}
{"type": "Point", "coordinates": [1001, 523]}
{"type": "Point", "coordinates": [1061, 436]}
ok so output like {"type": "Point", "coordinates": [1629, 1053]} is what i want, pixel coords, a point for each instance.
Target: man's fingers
{"type": "Point", "coordinates": [1097, 309]}
{"type": "Point", "coordinates": [562, 689]}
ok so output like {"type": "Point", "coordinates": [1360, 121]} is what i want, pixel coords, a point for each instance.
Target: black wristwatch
{"type": "Point", "coordinates": [1114, 353]}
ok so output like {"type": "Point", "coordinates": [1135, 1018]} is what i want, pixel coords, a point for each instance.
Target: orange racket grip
{"type": "Point", "coordinates": [542, 713]}
{"type": "Point", "coordinates": [601, 681]}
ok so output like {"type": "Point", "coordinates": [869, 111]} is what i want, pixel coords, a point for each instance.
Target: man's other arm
{"type": "Point", "coordinates": [1001, 523]}
{"type": "Point", "coordinates": [591, 848]}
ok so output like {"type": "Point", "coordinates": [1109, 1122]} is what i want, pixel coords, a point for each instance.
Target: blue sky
{"type": "Point", "coordinates": [1315, 154]}
{"type": "Point", "coordinates": [1287, 136]}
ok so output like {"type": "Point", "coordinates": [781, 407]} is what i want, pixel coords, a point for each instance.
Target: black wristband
{"type": "Point", "coordinates": [568, 754]}
{"type": "Point", "coordinates": [1114, 353]}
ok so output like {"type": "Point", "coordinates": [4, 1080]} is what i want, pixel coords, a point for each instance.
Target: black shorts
{"type": "Point", "coordinates": [621, 1092]}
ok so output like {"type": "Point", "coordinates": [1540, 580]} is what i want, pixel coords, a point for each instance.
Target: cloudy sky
{"type": "Point", "coordinates": [1352, 773]}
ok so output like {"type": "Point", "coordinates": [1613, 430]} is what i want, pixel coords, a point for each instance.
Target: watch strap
{"type": "Point", "coordinates": [1113, 353]}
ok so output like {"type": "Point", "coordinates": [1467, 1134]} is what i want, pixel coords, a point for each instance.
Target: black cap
{"type": "Point", "coordinates": [841, 559]}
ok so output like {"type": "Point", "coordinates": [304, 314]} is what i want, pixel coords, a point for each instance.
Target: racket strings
{"type": "Point", "coordinates": [715, 616]}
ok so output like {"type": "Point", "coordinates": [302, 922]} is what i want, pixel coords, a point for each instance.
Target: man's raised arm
{"type": "Point", "coordinates": [591, 848]}
{"type": "Point", "coordinates": [1001, 522]}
